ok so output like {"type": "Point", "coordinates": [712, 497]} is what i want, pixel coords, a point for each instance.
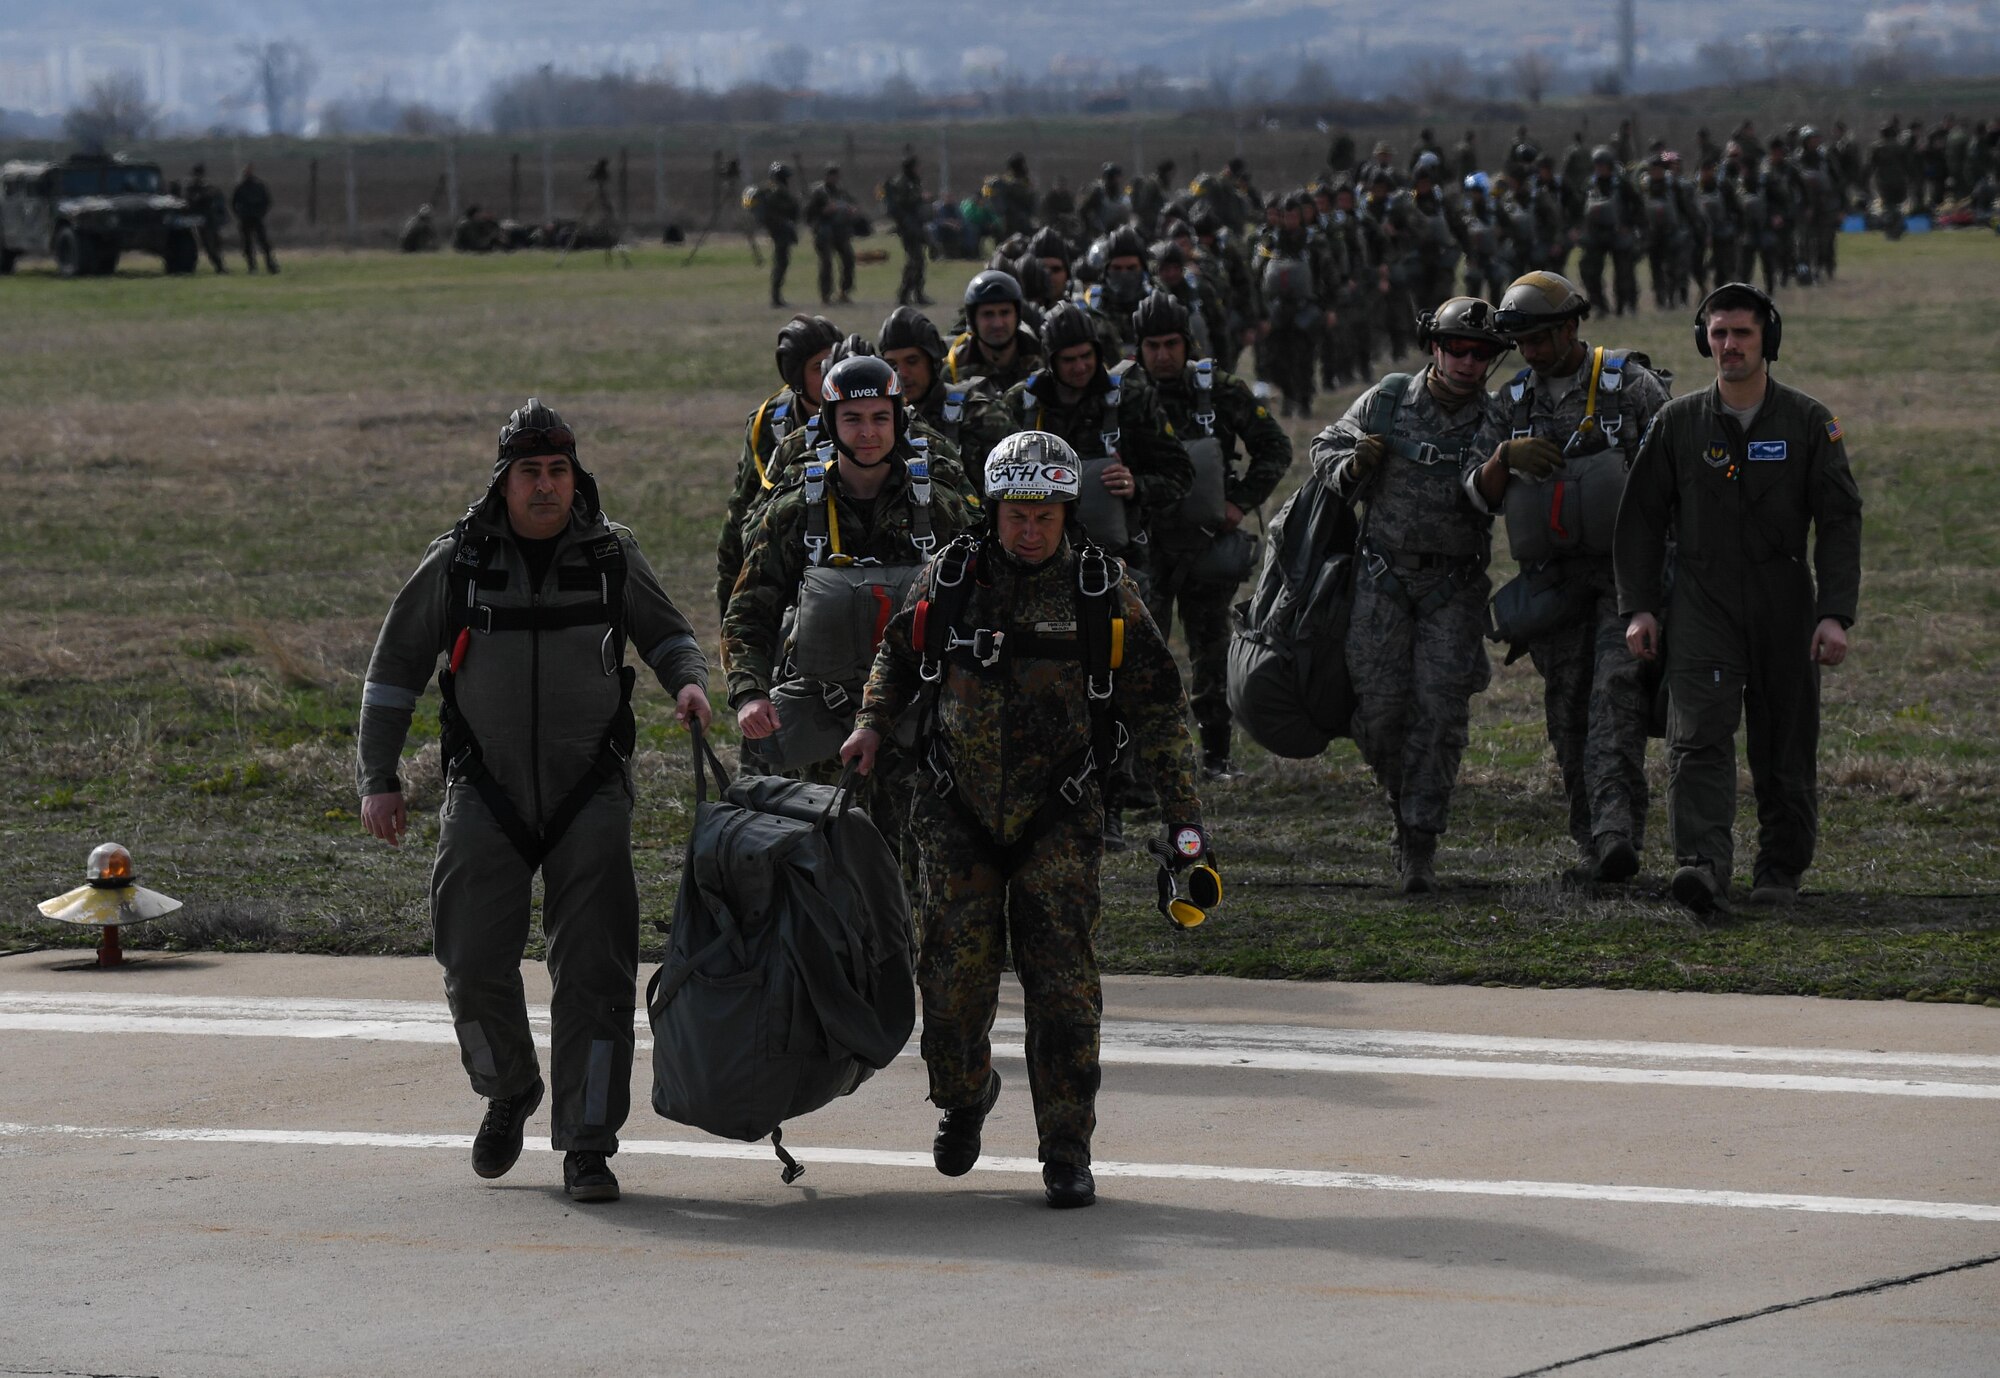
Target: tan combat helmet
{"type": "Point", "coordinates": [1537, 300]}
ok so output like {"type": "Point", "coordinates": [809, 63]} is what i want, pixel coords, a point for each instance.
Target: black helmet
{"type": "Point", "coordinates": [1110, 170]}
{"type": "Point", "coordinates": [853, 378]}
{"type": "Point", "coordinates": [1032, 276]}
{"type": "Point", "coordinates": [1604, 153]}
{"type": "Point", "coordinates": [992, 287]}
{"type": "Point", "coordinates": [1160, 314]}
{"type": "Point", "coordinates": [1539, 299]}
{"type": "Point", "coordinates": [1048, 242]}
{"type": "Point", "coordinates": [532, 429]}
{"type": "Point", "coordinates": [1125, 242]}
{"type": "Point", "coordinates": [908, 328]}
{"type": "Point", "coordinates": [780, 172]}
{"type": "Point", "coordinates": [799, 339]}
{"type": "Point", "coordinates": [1064, 327]}
{"type": "Point", "coordinates": [1461, 318]}
{"type": "Point", "coordinates": [850, 347]}
{"type": "Point", "coordinates": [1018, 163]}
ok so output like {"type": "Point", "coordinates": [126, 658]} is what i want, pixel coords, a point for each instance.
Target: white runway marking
{"type": "Point", "coordinates": [1284, 1048]}
{"type": "Point", "coordinates": [1182, 1172]}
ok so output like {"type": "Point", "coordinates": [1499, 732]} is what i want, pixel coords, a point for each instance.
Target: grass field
{"type": "Point", "coordinates": [218, 485]}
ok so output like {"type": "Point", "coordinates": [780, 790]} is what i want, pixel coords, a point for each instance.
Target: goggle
{"type": "Point", "coordinates": [1476, 349]}
{"type": "Point", "coordinates": [537, 440]}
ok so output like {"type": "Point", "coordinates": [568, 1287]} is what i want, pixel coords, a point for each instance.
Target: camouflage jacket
{"type": "Point", "coordinates": [965, 360]}
{"type": "Point", "coordinates": [1015, 731]}
{"type": "Point", "coordinates": [1242, 423]}
{"type": "Point", "coordinates": [776, 417]}
{"type": "Point", "coordinates": [1532, 404]}
{"type": "Point", "coordinates": [775, 565]}
{"type": "Point", "coordinates": [788, 461]}
{"type": "Point", "coordinates": [1416, 499]}
{"type": "Point", "coordinates": [1159, 463]}
{"type": "Point", "coordinates": [983, 421]}
{"type": "Point", "coordinates": [903, 198]}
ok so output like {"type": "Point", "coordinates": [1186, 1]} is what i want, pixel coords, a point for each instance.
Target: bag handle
{"type": "Point", "coordinates": [843, 795]}
{"type": "Point", "coordinates": [703, 752]}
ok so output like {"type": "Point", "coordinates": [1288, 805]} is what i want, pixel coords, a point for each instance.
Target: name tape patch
{"type": "Point", "coordinates": [1767, 449]}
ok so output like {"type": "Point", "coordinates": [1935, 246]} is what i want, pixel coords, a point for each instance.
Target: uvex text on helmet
{"type": "Point", "coordinates": [1033, 466]}
{"type": "Point", "coordinates": [799, 339]}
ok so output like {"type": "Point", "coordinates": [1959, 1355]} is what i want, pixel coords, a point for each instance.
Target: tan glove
{"type": "Point", "coordinates": [1368, 452]}
{"type": "Point", "coordinates": [1531, 456]}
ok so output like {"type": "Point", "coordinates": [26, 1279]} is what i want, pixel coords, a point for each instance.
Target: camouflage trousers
{"type": "Point", "coordinates": [1285, 360]}
{"type": "Point", "coordinates": [1624, 277]}
{"type": "Point", "coordinates": [1596, 711]}
{"type": "Point", "coordinates": [1042, 898]}
{"type": "Point", "coordinates": [781, 264]}
{"type": "Point", "coordinates": [1204, 612]}
{"type": "Point", "coordinates": [916, 259]}
{"type": "Point", "coordinates": [1414, 678]}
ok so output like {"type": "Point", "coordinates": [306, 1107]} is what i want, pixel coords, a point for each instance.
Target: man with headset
{"type": "Point", "coordinates": [1740, 471]}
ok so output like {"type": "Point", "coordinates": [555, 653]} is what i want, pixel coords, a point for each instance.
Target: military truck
{"type": "Point", "coordinates": [90, 209]}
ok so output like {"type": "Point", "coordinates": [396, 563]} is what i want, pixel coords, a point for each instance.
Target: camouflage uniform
{"type": "Point", "coordinates": [1414, 647]}
{"type": "Point", "coordinates": [1241, 423]}
{"type": "Point", "coordinates": [1592, 697]}
{"type": "Point", "coordinates": [983, 421]}
{"type": "Point", "coordinates": [1005, 861]}
{"type": "Point", "coordinates": [776, 211]}
{"type": "Point", "coordinates": [786, 466]}
{"type": "Point", "coordinates": [965, 360]}
{"type": "Point", "coordinates": [831, 214]}
{"type": "Point", "coordinates": [774, 568]}
{"type": "Point", "coordinates": [1611, 219]}
{"type": "Point", "coordinates": [1285, 356]}
{"type": "Point", "coordinates": [903, 198]}
{"type": "Point", "coordinates": [776, 417]}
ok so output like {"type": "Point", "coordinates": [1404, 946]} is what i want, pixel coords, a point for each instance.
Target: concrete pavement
{"type": "Point", "coordinates": [257, 1165]}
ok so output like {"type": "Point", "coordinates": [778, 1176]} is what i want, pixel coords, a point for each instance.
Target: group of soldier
{"type": "Point", "coordinates": [249, 202]}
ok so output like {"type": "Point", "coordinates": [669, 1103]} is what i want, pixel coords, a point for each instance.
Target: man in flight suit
{"type": "Point", "coordinates": [530, 602]}
{"type": "Point", "coordinates": [1740, 472]}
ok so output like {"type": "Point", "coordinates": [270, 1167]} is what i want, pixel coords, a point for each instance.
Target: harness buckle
{"type": "Point", "coordinates": [1093, 566]}
{"type": "Point", "coordinates": [480, 618]}
{"type": "Point", "coordinates": [1205, 420]}
{"type": "Point", "coordinates": [1375, 562]}
{"type": "Point", "coordinates": [984, 643]}
{"type": "Point", "coordinates": [816, 550]}
{"type": "Point", "coordinates": [1097, 693]}
{"type": "Point", "coordinates": [835, 697]}
{"type": "Point", "coordinates": [929, 671]}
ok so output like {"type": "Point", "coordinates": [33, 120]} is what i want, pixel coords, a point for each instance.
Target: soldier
{"type": "Point", "coordinates": [866, 504]}
{"type": "Point", "coordinates": [908, 209]}
{"type": "Point", "coordinates": [1012, 196]}
{"type": "Point", "coordinates": [1413, 647]}
{"type": "Point", "coordinates": [1739, 472]}
{"type": "Point", "coordinates": [1200, 552]}
{"type": "Point", "coordinates": [1612, 215]}
{"type": "Point", "coordinates": [1298, 292]}
{"type": "Point", "coordinates": [1490, 254]}
{"type": "Point", "coordinates": [1221, 262]}
{"type": "Point", "coordinates": [1784, 196]}
{"type": "Point", "coordinates": [1206, 319]}
{"type": "Point", "coordinates": [776, 211]}
{"type": "Point", "coordinates": [1892, 186]}
{"type": "Point", "coordinates": [1722, 216]}
{"type": "Point", "coordinates": [1134, 468]}
{"type": "Point", "coordinates": [251, 202]}
{"type": "Point", "coordinates": [1123, 284]}
{"type": "Point", "coordinates": [1666, 235]}
{"type": "Point", "coordinates": [1468, 155]}
{"type": "Point", "coordinates": [1107, 206]}
{"type": "Point", "coordinates": [1547, 202]}
{"type": "Point", "coordinates": [1352, 340]}
{"type": "Point", "coordinates": [1149, 196]}
{"type": "Point", "coordinates": [830, 214]}
{"type": "Point", "coordinates": [803, 345]}
{"type": "Point", "coordinates": [419, 235]}
{"type": "Point", "coordinates": [1029, 705]}
{"type": "Point", "coordinates": [530, 602]}
{"type": "Point", "coordinates": [205, 199]}
{"type": "Point", "coordinates": [1825, 205]}
{"type": "Point", "coordinates": [1052, 251]}
{"type": "Point", "coordinates": [996, 346]}
{"type": "Point", "coordinates": [476, 232]}
{"type": "Point", "coordinates": [1433, 234]}
{"type": "Point", "coordinates": [971, 415]}
{"type": "Point", "coordinates": [1581, 411]}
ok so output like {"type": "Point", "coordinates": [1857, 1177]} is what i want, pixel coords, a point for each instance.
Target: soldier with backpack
{"type": "Point", "coordinates": [1043, 668]}
{"type": "Point", "coordinates": [530, 602]}
{"type": "Point", "coordinates": [1413, 641]}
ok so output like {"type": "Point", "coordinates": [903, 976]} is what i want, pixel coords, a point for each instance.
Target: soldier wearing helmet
{"type": "Point", "coordinates": [524, 611]}
{"type": "Point", "coordinates": [970, 415]}
{"type": "Point", "coordinates": [1575, 415]}
{"type": "Point", "coordinates": [1612, 217]}
{"type": "Point", "coordinates": [804, 342]}
{"type": "Point", "coordinates": [775, 209]}
{"type": "Point", "coordinates": [1298, 280]}
{"type": "Point", "coordinates": [997, 344]}
{"type": "Point", "coordinates": [1107, 206]}
{"type": "Point", "coordinates": [1783, 192]}
{"type": "Point", "coordinates": [1413, 647]}
{"type": "Point", "coordinates": [851, 527]}
{"type": "Point", "coordinates": [909, 210]}
{"type": "Point", "coordinates": [833, 218]}
{"type": "Point", "coordinates": [1043, 667]}
{"type": "Point", "coordinates": [1200, 549]}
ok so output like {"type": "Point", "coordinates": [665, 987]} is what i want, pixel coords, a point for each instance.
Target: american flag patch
{"type": "Point", "coordinates": [1833, 431]}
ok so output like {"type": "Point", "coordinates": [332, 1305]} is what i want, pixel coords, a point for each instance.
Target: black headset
{"type": "Point", "coordinates": [1774, 324]}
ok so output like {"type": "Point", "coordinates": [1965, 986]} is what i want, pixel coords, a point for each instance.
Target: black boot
{"type": "Point", "coordinates": [497, 1145]}
{"type": "Point", "coordinates": [1068, 1185]}
{"type": "Point", "coordinates": [1114, 830]}
{"type": "Point", "coordinates": [1215, 762]}
{"type": "Point", "coordinates": [956, 1147]}
{"type": "Point", "coordinates": [588, 1177]}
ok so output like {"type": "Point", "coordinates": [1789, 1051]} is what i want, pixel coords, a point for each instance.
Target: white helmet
{"type": "Point", "coordinates": [1033, 466]}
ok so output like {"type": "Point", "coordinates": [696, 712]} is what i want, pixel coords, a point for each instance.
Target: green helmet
{"type": "Point", "coordinates": [1539, 299]}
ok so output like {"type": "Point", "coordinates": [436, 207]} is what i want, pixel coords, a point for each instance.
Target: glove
{"type": "Point", "coordinates": [1189, 884]}
{"type": "Point", "coordinates": [1368, 452]}
{"type": "Point", "coordinates": [1531, 456]}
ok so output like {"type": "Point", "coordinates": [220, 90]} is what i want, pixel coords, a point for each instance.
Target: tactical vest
{"type": "Point", "coordinates": [1573, 511]}
{"type": "Point", "coordinates": [781, 423]}
{"type": "Point", "coordinates": [1105, 517]}
{"type": "Point", "coordinates": [1204, 505]}
{"type": "Point", "coordinates": [469, 572]}
{"type": "Point", "coordinates": [1604, 211]}
{"type": "Point", "coordinates": [1287, 277]}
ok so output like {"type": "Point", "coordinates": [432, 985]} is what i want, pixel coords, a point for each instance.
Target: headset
{"type": "Point", "coordinates": [1774, 324]}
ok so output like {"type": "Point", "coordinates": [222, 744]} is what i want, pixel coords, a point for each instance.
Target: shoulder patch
{"type": "Point", "coordinates": [1833, 431]}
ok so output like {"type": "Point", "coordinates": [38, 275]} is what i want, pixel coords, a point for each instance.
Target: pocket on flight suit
{"type": "Point", "coordinates": [1704, 705]}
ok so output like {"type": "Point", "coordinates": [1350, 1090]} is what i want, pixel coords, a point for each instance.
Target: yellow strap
{"type": "Point", "coordinates": [1117, 643]}
{"type": "Point", "coordinates": [832, 524]}
{"type": "Point", "coordinates": [1596, 372]}
{"type": "Point", "coordinates": [757, 429]}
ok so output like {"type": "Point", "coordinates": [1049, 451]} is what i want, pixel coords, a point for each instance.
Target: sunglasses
{"type": "Point", "coordinates": [1476, 349]}
{"type": "Point", "coordinates": [554, 440]}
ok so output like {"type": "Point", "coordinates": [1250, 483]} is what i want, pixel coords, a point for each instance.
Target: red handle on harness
{"type": "Point", "coordinates": [884, 610]}
{"type": "Point", "coordinates": [458, 648]}
{"type": "Point", "coordinates": [1556, 512]}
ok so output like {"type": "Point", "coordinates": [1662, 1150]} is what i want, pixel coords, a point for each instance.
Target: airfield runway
{"type": "Point", "coordinates": [257, 1165]}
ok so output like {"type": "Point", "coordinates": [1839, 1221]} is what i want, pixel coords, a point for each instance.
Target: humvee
{"type": "Point", "coordinates": [88, 210]}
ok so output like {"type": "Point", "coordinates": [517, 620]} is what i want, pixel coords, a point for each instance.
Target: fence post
{"type": "Point", "coordinates": [353, 200]}
{"type": "Point", "coordinates": [659, 177]}
{"type": "Point", "coordinates": [944, 160]}
{"type": "Point", "coordinates": [624, 184]}
{"type": "Point", "coordinates": [312, 192]}
{"type": "Point", "coordinates": [548, 182]}
{"type": "Point", "coordinates": [514, 185]}
{"type": "Point", "coordinates": [451, 179]}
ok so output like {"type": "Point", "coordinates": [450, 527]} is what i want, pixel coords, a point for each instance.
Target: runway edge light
{"type": "Point", "coordinates": [108, 898]}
